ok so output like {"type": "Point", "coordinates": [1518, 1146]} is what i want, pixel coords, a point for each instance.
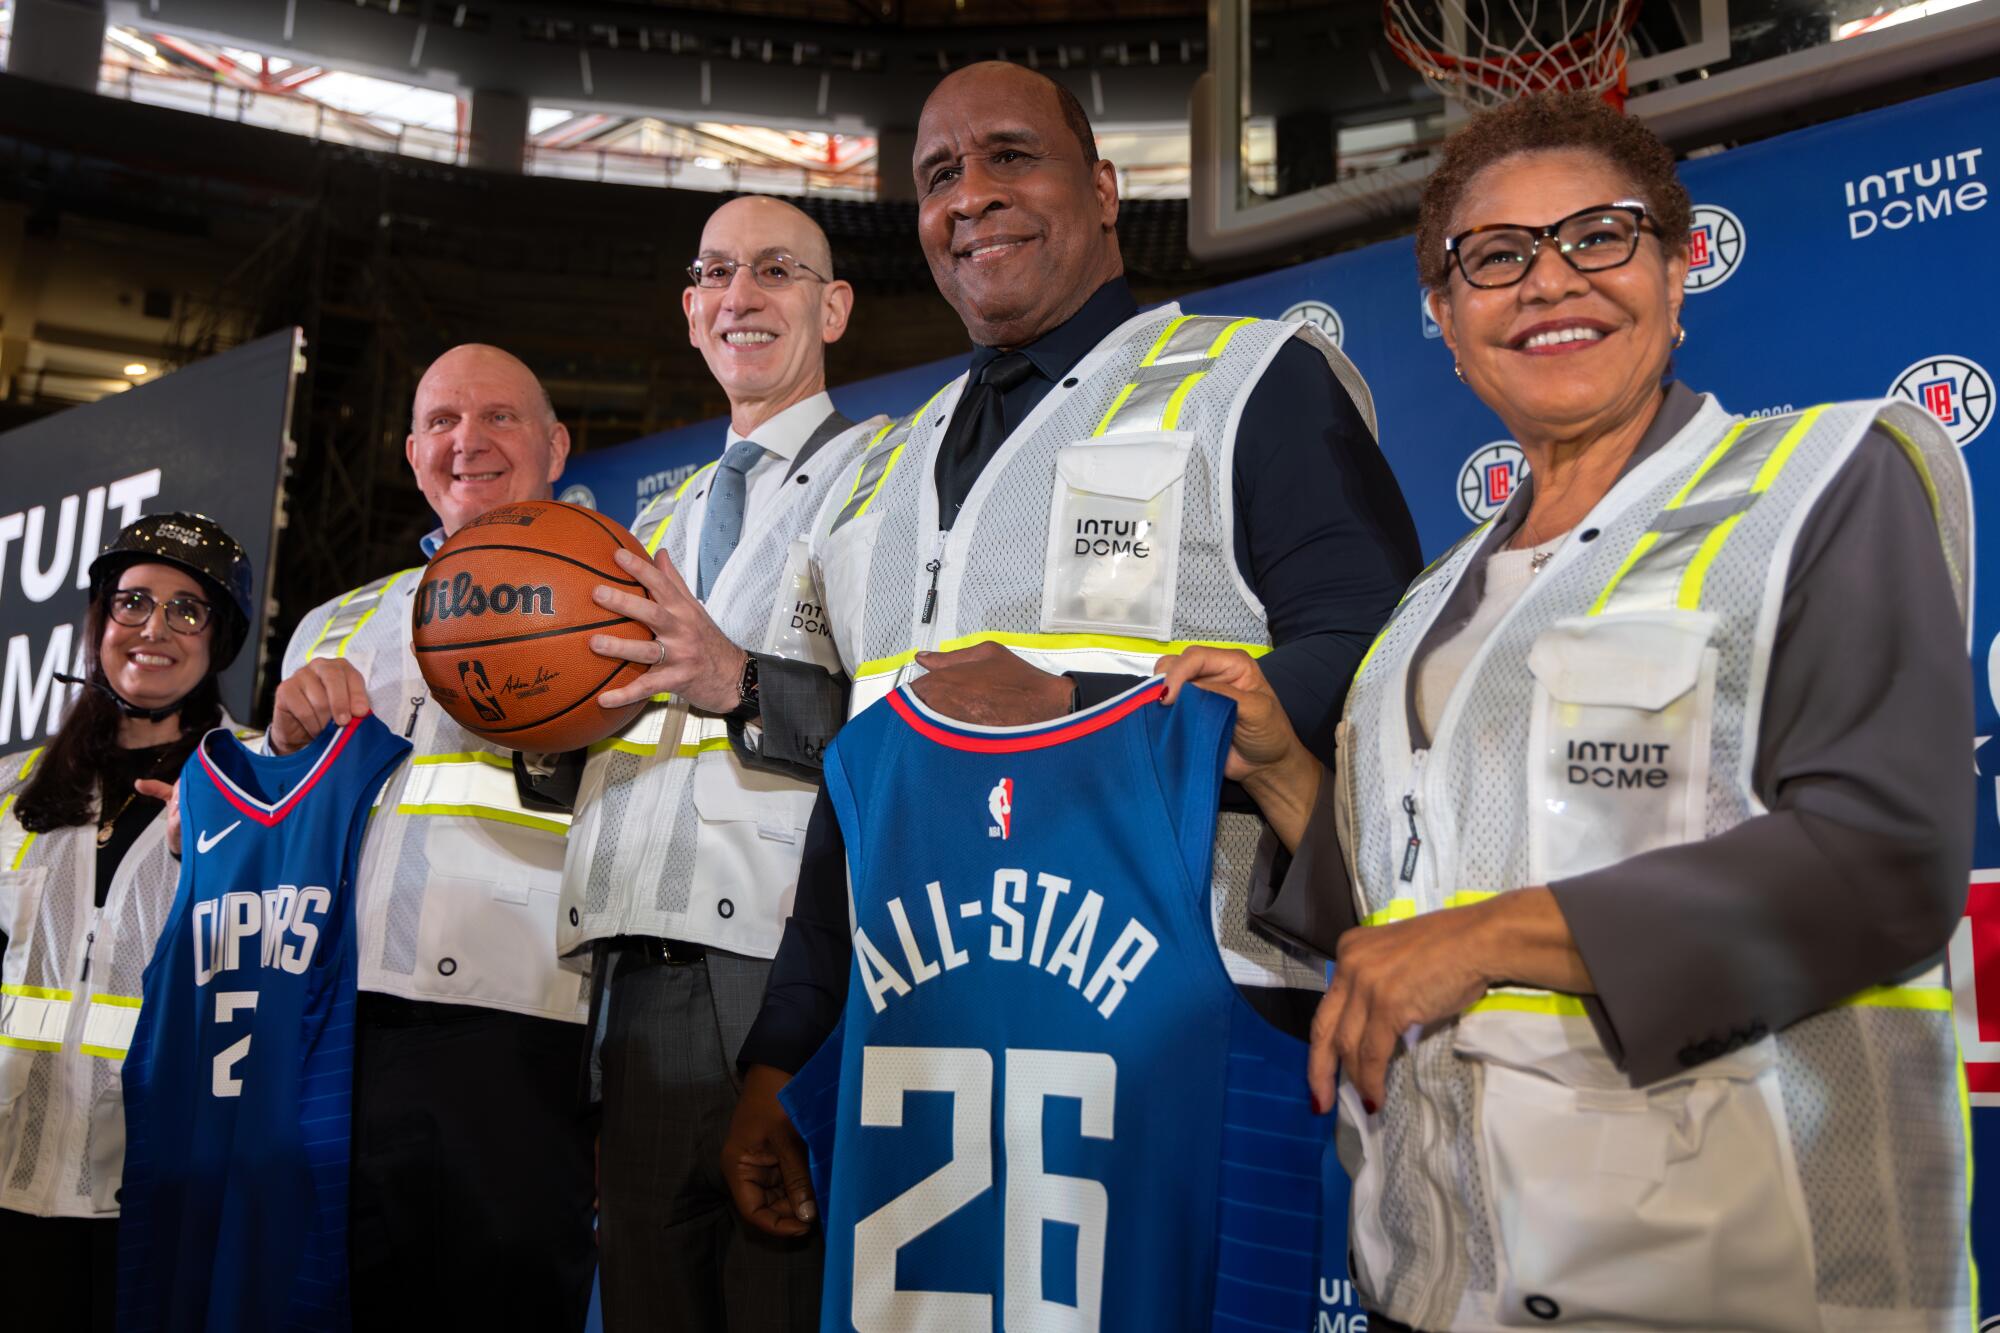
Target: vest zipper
{"type": "Point", "coordinates": [935, 565]}
{"type": "Point", "coordinates": [89, 940]}
{"type": "Point", "coordinates": [1413, 847]}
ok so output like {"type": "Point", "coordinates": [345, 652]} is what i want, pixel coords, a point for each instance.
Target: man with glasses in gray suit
{"type": "Point", "coordinates": [682, 862]}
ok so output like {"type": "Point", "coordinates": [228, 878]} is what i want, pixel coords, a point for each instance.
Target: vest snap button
{"type": "Point", "coordinates": [802, 479]}
{"type": "Point", "coordinates": [1070, 383]}
{"type": "Point", "coordinates": [573, 917]}
{"type": "Point", "coordinates": [1541, 1307]}
{"type": "Point", "coordinates": [725, 909]}
{"type": "Point", "coordinates": [1587, 535]}
{"type": "Point", "coordinates": [447, 966]}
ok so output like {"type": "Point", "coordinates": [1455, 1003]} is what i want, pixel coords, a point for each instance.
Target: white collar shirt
{"type": "Point", "coordinates": [781, 437]}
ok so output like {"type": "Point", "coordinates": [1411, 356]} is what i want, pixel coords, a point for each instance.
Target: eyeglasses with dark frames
{"type": "Point", "coordinates": [133, 607]}
{"type": "Point", "coordinates": [1590, 240]}
{"type": "Point", "coordinates": [773, 272]}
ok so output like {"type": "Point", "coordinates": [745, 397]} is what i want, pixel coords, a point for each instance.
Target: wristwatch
{"type": "Point", "coordinates": [746, 691]}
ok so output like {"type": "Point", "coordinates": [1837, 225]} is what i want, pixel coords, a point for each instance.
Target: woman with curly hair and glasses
{"type": "Point", "coordinates": [86, 882]}
{"type": "Point", "coordinates": [1649, 824]}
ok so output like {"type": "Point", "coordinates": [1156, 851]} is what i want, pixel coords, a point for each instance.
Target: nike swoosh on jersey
{"type": "Point", "coordinates": [204, 842]}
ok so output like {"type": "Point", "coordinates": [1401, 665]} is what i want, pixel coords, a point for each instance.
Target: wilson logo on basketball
{"type": "Point", "coordinates": [439, 600]}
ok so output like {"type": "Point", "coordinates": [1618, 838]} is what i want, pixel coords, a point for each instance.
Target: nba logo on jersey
{"type": "Point", "coordinates": [234, 1205]}
{"type": "Point", "coordinates": [1000, 804]}
{"type": "Point", "coordinates": [1046, 1105]}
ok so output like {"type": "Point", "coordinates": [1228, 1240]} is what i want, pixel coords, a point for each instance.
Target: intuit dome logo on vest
{"type": "Point", "coordinates": [1921, 191]}
{"type": "Point", "coordinates": [1954, 389]}
{"type": "Point", "coordinates": [1489, 479]}
{"type": "Point", "coordinates": [1715, 248]}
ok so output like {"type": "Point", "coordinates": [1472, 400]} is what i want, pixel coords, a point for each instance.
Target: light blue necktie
{"type": "Point", "coordinates": [722, 524]}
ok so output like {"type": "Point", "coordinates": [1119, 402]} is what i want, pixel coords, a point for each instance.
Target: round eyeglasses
{"type": "Point", "coordinates": [133, 607]}
{"type": "Point", "coordinates": [1591, 240]}
{"type": "Point", "coordinates": [773, 272]}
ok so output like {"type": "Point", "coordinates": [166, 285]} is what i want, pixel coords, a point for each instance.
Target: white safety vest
{"type": "Point", "coordinates": [69, 1003]}
{"type": "Point", "coordinates": [675, 838]}
{"type": "Point", "coordinates": [1811, 1180]}
{"type": "Point", "coordinates": [1097, 538]}
{"type": "Point", "coordinates": [456, 900]}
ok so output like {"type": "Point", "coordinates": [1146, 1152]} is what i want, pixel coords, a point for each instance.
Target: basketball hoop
{"type": "Point", "coordinates": [1481, 53]}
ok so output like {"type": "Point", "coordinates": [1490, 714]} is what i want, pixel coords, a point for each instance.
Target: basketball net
{"type": "Point", "coordinates": [1481, 53]}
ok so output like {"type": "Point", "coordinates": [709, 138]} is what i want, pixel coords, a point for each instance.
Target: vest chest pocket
{"type": "Point", "coordinates": [1114, 535]}
{"type": "Point", "coordinates": [1618, 743]}
{"type": "Point", "coordinates": [798, 627]}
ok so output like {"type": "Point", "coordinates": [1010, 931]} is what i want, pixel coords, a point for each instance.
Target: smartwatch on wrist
{"type": "Point", "coordinates": [748, 703]}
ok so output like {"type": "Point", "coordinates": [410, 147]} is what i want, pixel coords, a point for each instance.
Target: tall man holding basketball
{"type": "Point", "coordinates": [682, 861]}
{"type": "Point", "coordinates": [471, 1177]}
{"type": "Point", "coordinates": [967, 528]}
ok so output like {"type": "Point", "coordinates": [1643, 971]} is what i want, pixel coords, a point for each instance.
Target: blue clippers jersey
{"type": "Point", "coordinates": [1047, 1107]}
{"type": "Point", "coordinates": [234, 1207]}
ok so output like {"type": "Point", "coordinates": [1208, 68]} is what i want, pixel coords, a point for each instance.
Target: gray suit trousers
{"type": "Point", "coordinates": [674, 1255]}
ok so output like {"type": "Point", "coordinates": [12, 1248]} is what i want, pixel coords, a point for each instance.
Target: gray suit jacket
{"type": "Point", "coordinates": [1857, 874]}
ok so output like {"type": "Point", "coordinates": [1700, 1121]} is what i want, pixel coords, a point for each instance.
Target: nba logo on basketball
{"type": "Point", "coordinates": [1000, 805]}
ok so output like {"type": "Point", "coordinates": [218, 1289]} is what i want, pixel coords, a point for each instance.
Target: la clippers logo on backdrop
{"type": "Point", "coordinates": [1000, 804]}
{"type": "Point", "coordinates": [1975, 987]}
{"type": "Point", "coordinates": [1715, 248]}
{"type": "Point", "coordinates": [1430, 325]}
{"type": "Point", "coordinates": [578, 494]}
{"type": "Point", "coordinates": [1489, 479]}
{"type": "Point", "coordinates": [1321, 316]}
{"type": "Point", "coordinates": [1955, 390]}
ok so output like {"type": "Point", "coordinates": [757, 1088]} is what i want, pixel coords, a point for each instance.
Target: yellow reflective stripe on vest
{"type": "Point", "coordinates": [108, 1026]}
{"type": "Point", "coordinates": [350, 613]}
{"type": "Point", "coordinates": [477, 784]}
{"type": "Point", "coordinates": [878, 459]}
{"type": "Point", "coordinates": [1167, 374]}
{"type": "Point", "coordinates": [21, 857]}
{"type": "Point", "coordinates": [1523, 1000]}
{"type": "Point", "coordinates": [1667, 567]}
{"type": "Point", "coordinates": [1916, 457]}
{"type": "Point", "coordinates": [33, 1018]}
{"type": "Point", "coordinates": [1936, 999]}
{"type": "Point", "coordinates": [659, 534]}
{"type": "Point", "coordinates": [1055, 644]}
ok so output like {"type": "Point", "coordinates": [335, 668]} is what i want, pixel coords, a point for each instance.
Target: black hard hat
{"type": "Point", "coordinates": [198, 545]}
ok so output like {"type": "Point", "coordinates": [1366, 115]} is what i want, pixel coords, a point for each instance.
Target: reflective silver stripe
{"type": "Point", "coordinates": [33, 1018]}
{"type": "Point", "coordinates": [1666, 566]}
{"type": "Point", "coordinates": [1192, 338]}
{"type": "Point", "coordinates": [108, 1025]}
{"type": "Point", "coordinates": [1167, 373]}
{"type": "Point", "coordinates": [349, 615]}
{"type": "Point", "coordinates": [881, 456]}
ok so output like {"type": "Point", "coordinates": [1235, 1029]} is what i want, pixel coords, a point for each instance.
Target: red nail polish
{"type": "Point", "coordinates": [1368, 1106]}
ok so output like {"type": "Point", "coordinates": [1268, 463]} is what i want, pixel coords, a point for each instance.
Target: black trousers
{"type": "Point", "coordinates": [58, 1272]}
{"type": "Point", "coordinates": [472, 1192]}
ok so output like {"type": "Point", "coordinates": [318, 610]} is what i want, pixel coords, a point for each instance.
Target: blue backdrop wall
{"type": "Point", "coordinates": [1859, 258]}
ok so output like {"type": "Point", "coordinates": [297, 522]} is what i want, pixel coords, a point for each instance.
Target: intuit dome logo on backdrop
{"type": "Point", "coordinates": [1923, 191]}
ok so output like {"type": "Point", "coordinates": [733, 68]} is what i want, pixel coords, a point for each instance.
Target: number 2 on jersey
{"type": "Point", "coordinates": [1033, 1196]}
{"type": "Point", "coordinates": [224, 1082]}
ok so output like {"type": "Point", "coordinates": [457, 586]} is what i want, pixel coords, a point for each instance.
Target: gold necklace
{"type": "Point", "coordinates": [107, 827]}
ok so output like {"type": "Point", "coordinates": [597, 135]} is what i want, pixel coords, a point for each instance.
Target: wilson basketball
{"type": "Point", "coordinates": [503, 621]}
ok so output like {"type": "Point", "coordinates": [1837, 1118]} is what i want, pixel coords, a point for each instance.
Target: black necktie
{"type": "Point", "coordinates": [976, 432]}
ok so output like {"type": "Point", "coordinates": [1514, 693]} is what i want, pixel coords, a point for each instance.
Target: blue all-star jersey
{"type": "Point", "coordinates": [237, 1087]}
{"type": "Point", "coordinates": [1047, 1107]}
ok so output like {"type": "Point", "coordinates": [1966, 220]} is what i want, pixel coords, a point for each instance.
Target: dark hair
{"type": "Point", "coordinates": [1549, 122]}
{"type": "Point", "coordinates": [1079, 123]}
{"type": "Point", "coordinates": [62, 789]}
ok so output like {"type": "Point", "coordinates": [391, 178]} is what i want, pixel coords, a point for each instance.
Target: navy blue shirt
{"type": "Point", "coordinates": [1322, 537]}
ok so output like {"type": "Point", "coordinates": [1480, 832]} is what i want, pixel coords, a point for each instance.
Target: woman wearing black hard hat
{"type": "Point", "coordinates": [86, 881]}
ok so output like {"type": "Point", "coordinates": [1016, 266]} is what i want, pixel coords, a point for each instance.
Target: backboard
{"type": "Point", "coordinates": [1307, 124]}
